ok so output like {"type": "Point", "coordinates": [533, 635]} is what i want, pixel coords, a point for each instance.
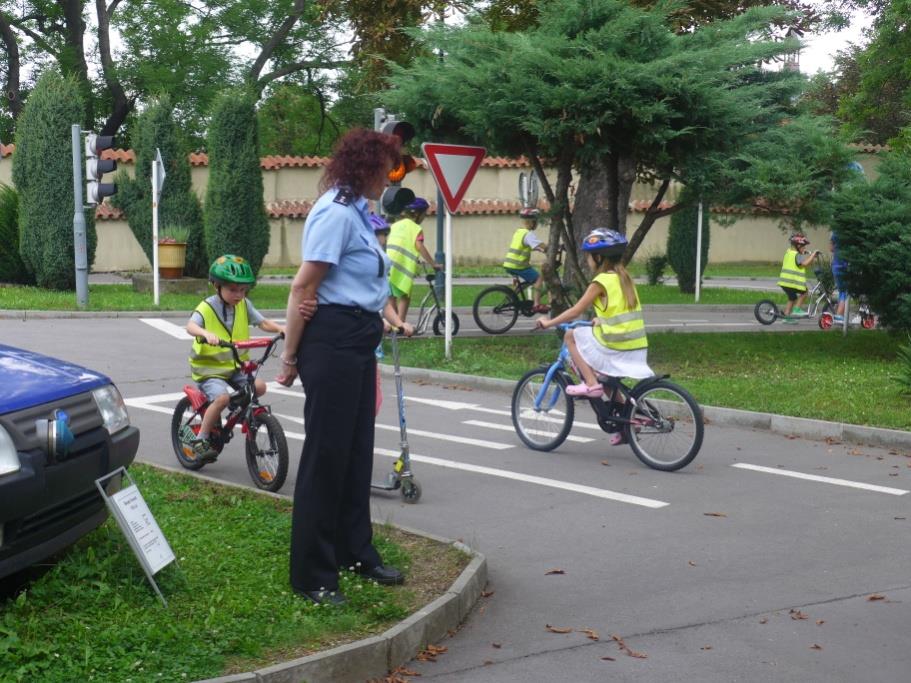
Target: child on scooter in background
{"type": "Point", "coordinates": [793, 277]}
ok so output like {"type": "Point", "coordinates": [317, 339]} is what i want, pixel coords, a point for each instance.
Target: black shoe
{"type": "Point", "coordinates": [385, 576]}
{"type": "Point", "coordinates": [332, 598]}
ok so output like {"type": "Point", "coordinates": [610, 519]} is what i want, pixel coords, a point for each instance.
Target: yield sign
{"type": "Point", "coordinates": [453, 168]}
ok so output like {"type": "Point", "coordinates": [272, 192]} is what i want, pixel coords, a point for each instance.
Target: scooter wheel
{"type": "Point", "coordinates": [826, 320]}
{"type": "Point", "coordinates": [868, 322]}
{"type": "Point", "coordinates": [411, 490]}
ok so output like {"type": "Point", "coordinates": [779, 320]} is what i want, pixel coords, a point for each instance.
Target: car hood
{"type": "Point", "coordinates": [29, 379]}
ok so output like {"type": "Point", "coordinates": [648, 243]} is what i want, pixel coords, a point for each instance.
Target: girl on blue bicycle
{"type": "Point", "coordinates": [615, 345]}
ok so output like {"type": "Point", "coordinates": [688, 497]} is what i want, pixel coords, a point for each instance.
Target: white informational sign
{"type": "Point", "coordinates": [153, 548]}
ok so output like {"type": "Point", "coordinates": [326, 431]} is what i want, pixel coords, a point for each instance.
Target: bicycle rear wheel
{"type": "Point", "coordinates": [496, 309]}
{"type": "Point", "coordinates": [766, 312]}
{"type": "Point", "coordinates": [185, 424]}
{"type": "Point", "coordinates": [546, 428]}
{"type": "Point", "coordinates": [666, 427]}
{"type": "Point", "coordinates": [267, 452]}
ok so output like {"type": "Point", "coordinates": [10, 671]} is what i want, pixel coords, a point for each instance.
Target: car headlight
{"type": "Point", "coordinates": [9, 456]}
{"type": "Point", "coordinates": [113, 411]}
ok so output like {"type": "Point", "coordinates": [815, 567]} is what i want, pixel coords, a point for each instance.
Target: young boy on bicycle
{"type": "Point", "coordinates": [224, 316]}
{"type": "Point", "coordinates": [405, 246]}
{"type": "Point", "coordinates": [518, 259]}
{"type": "Point", "coordinates": [793, 277]}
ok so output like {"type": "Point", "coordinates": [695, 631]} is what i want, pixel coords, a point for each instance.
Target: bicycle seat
{"type": "Point", "coordinates": [430, 277]}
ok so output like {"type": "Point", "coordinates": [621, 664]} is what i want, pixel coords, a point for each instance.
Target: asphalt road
{"type": "Point", "coordinates": [720, 572]}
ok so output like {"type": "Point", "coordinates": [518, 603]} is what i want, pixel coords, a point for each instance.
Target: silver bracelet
{"type": "Point", "coordinates": [288, 362]}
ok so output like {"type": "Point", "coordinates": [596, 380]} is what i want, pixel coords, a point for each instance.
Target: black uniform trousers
{"type": "Point", "coordinates": [330, 525]}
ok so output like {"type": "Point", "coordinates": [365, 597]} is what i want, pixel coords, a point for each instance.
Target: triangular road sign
{"type": "Point", "coordinates": [453, 168]}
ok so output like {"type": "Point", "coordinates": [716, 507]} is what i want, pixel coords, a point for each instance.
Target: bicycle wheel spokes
{"type": "Point", "coordinates": [267, 453]}
{"type": "Point", "coordinates": [666, 427]}
{"type": "Point", "coordinates": [495, 310]}
{"type": "Point", "coordinates": [546, 427]}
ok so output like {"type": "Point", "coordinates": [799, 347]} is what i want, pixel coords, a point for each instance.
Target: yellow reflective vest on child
{"type": "Point", "coordinates": [618, 326]}
{"type": "Point", "coordinates": [792, 275]}
{"type": "Point", "coordinates": [215, 361]}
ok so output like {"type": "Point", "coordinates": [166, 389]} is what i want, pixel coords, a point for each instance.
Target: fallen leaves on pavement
{"type": "Point", "coordinates": [487, 594]}
{"type": "Point", "coordinates": [816, 646]}
{"type": "Point", "coordinates": [626, 649]}
{"type": "Point", "coordinates": [557, 629]}
{"type": "Point", "coordinates": [554, 571]}
{"type": "Point", "coordinates": [430, 653]}
{"type": "Point", "coordinates": [875, 596]}
{"type": "Point", "coordinates": [797, 614]}
{"type": "Point", "coordinates": [714, 514]}
{"type": "Point", "coordinates": [591, 634]}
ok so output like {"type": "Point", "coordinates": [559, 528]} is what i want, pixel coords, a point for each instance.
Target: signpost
{"type": "Point", "coordinates": [453, 167]}
{"type": "Point", "coordinates": [139, 526]}
{"type": "Point", "coordinates": [158, 176]}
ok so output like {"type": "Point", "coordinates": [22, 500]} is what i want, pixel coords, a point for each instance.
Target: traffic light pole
{"type": "Point", "coordinates": [82, 262]}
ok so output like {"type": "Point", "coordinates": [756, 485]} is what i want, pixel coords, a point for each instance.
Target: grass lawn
{"type": "Point", "coordinates": [268, 297]}
{"type": "Point", "coordinates": [805, 374]}
{"type": "Point", "coordinates": [93, 616]}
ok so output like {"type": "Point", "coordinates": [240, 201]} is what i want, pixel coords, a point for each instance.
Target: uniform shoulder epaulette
{"type": "Point", "coordinates": [344, 197]}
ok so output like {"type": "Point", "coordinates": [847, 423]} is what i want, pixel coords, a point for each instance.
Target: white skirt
{"type": "Point", "coordinates": [611, 362]}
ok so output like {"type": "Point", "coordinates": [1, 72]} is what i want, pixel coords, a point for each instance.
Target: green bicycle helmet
{"type": "Point", "coordinates": [233, 269]}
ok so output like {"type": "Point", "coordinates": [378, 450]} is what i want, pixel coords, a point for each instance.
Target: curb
{"type": "Point", "coordinates": [375, 656]}
{"type": "Point", "coordinates": [819, 430]}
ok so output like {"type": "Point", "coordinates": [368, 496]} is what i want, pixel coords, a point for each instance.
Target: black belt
{"type": "Point", "coordinates": [357, 310]}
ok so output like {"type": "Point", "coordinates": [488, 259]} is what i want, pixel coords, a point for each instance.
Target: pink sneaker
{"type": "Point", "coordinates": [585, 391]}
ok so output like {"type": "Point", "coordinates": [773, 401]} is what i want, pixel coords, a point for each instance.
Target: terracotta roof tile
{"type": "Point", "coordinates": [106, 212]}
{"type": "Point", "coordinates": [289, 208]}
{"type": "Point", "coordinates": [868, 148]}
{"type": "Point", "coordinates": [198, 159]}
{"type": "Point", "coordinates": [7, 150]}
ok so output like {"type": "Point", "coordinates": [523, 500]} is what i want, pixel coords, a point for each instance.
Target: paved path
{"type": "Point", "coordinates": [793, 568]}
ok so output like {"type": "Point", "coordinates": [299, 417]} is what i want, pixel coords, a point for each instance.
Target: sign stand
{"type": "Point", "coordinates": [136, 522]}
{"type": "Point", "coordinates": [453, 167]}
{"type": "Point", "coordinates": [158, 175]}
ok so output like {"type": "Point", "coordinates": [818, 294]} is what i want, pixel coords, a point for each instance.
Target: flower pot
{"type": "Point", "coordinates": [172, 256]}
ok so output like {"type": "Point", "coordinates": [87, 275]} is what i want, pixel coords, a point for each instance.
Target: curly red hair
{"type": "Point", "coordinates": [358, 157]}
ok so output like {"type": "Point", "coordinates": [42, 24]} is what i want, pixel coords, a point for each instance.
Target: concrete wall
{"type": "Point", "coordinates": [480, 235]}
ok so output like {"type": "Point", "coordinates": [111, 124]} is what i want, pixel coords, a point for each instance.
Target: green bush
{"type": "Point", "coordinates": [904, 372]}
{"type": "Point", "coordinates": [12, 267]}
{"type": "Point", "coordinates": [873, 221]}
{"type": "Point", "coordinates": [43, 175]}
{"type": "Point", "coordinates": [235, 217]}
{"type": "Point", "coordinates": [655, 265]}
{"type": "Point", "coordinates": [681, 244]}
{"type": "Point", "coordinates": [179, 205]}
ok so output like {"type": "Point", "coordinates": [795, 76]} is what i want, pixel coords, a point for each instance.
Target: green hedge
{"type": "Point", "coordinates": [12, 267]}
{"type": "Point", "coordinates": [681, 244]}
{"type": "Point", "coordinates": [156, 129]}
{"type": "Point", "coordinates": [43, 175]}
{"type": "Point", "coordinates": [235, 217]}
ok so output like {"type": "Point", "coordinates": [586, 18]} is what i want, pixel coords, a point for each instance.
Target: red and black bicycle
{"type": "Point", "coordinates": [264, 439]}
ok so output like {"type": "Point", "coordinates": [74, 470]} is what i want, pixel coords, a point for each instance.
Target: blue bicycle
{"type": "Point", "coordinates": [662, 423]}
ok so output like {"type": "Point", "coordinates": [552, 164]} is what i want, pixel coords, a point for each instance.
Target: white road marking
{"type": "Point", "coordinates": [420, 432]}
{"type": "Point", "coordinates": [686, 320]}
{"type": "Point", "coordinates": [824, 480]}
{"type": "Point", "coordinates": [176, 331]}
{"type": "Point", "coordinates": [456, 405]}
{"type": "Point", "coordinates": [537, 432]}
{"type": "Point", "coordinates": [531, 479]}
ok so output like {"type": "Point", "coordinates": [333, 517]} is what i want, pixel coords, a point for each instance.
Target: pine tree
{"type": "Point", "coordinates": [12, 268]}
{"type": "Point", "coordinates": [43, 175]}
{"type": "Point", "coordinates": [235, 218]}
{"type": "Point", "coordinates": [178, 205]}
{"type": "Point", "coordinates": [681, 244]}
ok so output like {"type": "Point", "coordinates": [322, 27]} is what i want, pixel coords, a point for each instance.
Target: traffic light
{"type": "Point", "coordinates": [96, 167]}
{"type": "Point", "coordinates": [395, 197]}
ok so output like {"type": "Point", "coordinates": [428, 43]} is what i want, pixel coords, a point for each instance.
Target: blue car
{"type": "Point", "coordinates": [62, 426]}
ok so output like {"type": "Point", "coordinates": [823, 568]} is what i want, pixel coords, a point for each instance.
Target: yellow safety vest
{"type": "Point", "coordinates": [214, 361]}
{"type": "Point", "coordinates": [616, 326]}
{"type": "Point", "coordinates": [400, 245]}
{"type": "Point", "coordinates": [519, 255]}
{"type": "Point", "coordinates": [792, 275]}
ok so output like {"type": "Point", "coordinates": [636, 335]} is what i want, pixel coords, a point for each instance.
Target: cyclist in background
{"type": "Point", "coordinates": [224, 316]}
{"type": "Point", "coordinates": [518, 259]}
{"type": "Point", "coordinates": [405, 246]}
{"type": "Point", "coordinates": [793, 277]}
{"type": "Point", "coordinates": [616, 344]}
{"type": "Point", "coordinates": [838, 273]}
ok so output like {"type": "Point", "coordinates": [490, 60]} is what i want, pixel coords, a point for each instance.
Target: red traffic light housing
{"type": "Point", "coordinates": [405, 166]}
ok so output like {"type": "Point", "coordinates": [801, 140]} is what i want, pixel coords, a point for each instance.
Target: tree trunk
{"type": "Point", "coordinates": [72, 59]}
{"type": "Point", "coordinates": [13, 95]}
{"type": "Point", "coordinates": [651, 215]}
{"type": "Point", "coordinates": [626, 177]}
{"type": "Point", "coordinates": [121, 104]}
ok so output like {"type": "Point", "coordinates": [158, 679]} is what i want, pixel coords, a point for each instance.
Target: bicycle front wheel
{"type": "Point", "coordinates": [666, 428]}
{"type": "Point", "coordinates": [546, 427]}
{"type": "Point", "coordinates": [267, 452]}
{"type": "Point", "coordinates": [766, 312]}
{"type": "Point", "coordinates": [496, 309]}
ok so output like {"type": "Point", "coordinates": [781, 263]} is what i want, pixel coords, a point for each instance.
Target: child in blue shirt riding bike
{"type": "Point", "coordinates": [225, 316]}
{"type": "Point", "coordinates": [615, 345]}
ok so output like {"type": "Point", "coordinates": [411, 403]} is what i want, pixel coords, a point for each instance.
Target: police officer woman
{"type": "Point", "coordinates": [344, 267]}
